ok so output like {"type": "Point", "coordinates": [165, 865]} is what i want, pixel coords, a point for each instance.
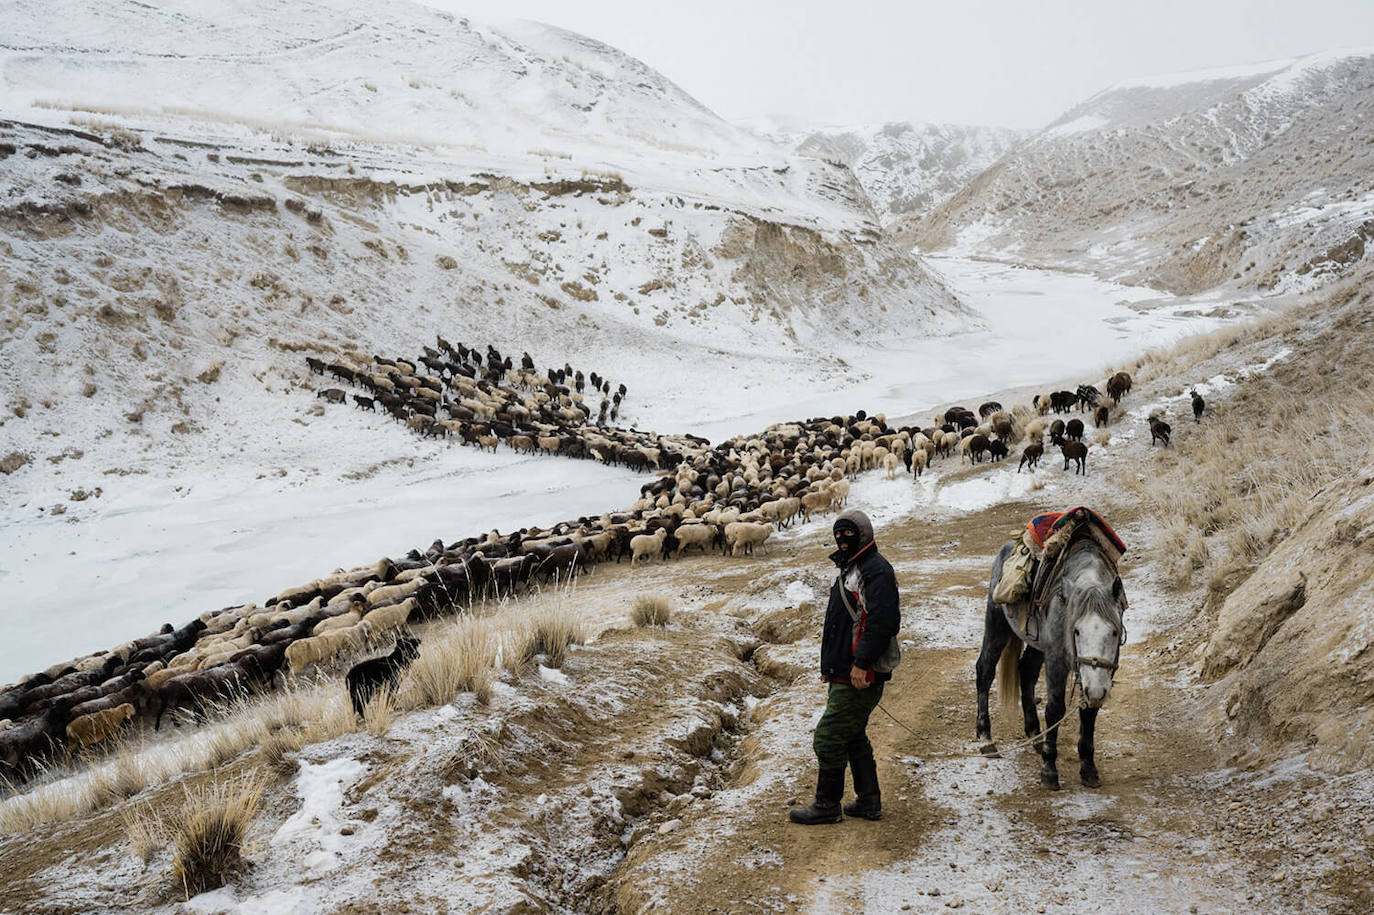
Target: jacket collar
{"type": "Point", "coordinates": [838, 558]}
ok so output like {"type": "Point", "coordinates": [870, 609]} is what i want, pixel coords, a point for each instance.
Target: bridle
{"type": "Point", "coordinates": [1096, 662]}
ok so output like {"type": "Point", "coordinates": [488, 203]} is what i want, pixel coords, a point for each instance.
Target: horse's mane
{"type": "Point", "coordinates": [1093, 598]}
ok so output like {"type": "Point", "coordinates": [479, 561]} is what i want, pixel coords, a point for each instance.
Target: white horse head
{"type": "Point", "coordinates": [1096, 602]}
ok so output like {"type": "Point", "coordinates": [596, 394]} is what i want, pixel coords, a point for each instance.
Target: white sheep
{"type": "Point", "coordinates": [919, 459]}
{"type": "Point", "coordinates": [647, 545]}
{"type": "Point", "coordinates": [388, 593]}
{"type": "Point", "coordinates": [700, 535]}
{"type": "Point", "coordinates": [301, 653]}
{"type": "Point", "coordinates": [393, 616]}
{"type": "Point", "coordinates": [342, 621]}
{"type": "Point", "coordinates": [747, 535]}
{"type": "Point", "coordinates": [815, 501]}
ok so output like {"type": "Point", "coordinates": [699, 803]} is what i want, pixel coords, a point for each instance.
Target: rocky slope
{"type": "Point", "coordinates": [186, 219]}
{"type": "Point", "coordinates": [1254, 177]}
{"type": "Point", "coordinates": [908, 169]}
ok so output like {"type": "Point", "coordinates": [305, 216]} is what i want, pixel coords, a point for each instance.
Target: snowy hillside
{"type": "Point", "coordinates": [908, 169]}
{"type": "Point", "coordinates": [201, 194]}
{"type": "Point", "coordinates": [1255, 176]}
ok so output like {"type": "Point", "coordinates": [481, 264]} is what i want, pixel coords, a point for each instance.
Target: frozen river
{"type": "Point", "coordinates": [1042, 327]}
{"type": "Point", "coordinates": [168, 549]}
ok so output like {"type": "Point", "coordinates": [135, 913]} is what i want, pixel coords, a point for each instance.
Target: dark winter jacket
{"type": "Point", "coordinates": [873, 593]}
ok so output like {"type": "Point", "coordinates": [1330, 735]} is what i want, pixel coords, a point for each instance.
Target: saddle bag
{"type": "Point", "coordinates": [1018, 571]}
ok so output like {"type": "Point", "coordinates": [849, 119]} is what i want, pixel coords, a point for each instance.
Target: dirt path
{"type": "Point", "coordinates": [960, 830]}
{"type": "Point", "coordinates": [653, 772]}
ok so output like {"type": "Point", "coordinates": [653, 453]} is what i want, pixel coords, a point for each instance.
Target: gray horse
{"type": "Point", "coordinates": [1081, 634]}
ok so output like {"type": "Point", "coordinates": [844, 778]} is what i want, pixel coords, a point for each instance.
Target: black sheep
{"type": "Point", "coordinates": [366, 678]}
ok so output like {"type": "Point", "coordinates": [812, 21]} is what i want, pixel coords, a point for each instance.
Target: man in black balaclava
{"type": "Point", "coordinates": [861, 621]}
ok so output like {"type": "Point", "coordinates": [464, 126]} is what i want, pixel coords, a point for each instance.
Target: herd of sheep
{"type": "Point", "coordinates": [730, 497]}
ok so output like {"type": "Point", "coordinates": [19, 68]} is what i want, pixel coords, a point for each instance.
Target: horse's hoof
{"type": "Point", "coordinates": [1049, 780]}
{"type": "Point", "coordinates": [1090, 780]}
{"type": "Point", "coordinates": [989, 750]}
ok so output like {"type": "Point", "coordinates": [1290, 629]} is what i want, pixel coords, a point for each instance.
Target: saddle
{"type": "Point", "coordinates": [1030, 570]}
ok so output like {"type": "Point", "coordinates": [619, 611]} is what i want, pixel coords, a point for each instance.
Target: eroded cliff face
{"type": "Point", "coordinates": [1296, 640]}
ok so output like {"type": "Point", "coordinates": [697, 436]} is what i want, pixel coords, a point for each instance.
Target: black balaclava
{"type": "Point", "coordinates": [853, 531]}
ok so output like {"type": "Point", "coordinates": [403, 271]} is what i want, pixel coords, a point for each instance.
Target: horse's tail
{"type": "Point", "coordinates": [1009, 677]}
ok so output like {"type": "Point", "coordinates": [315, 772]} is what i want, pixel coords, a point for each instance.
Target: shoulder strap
{"type": "Point", "coordinates": [844, 597]}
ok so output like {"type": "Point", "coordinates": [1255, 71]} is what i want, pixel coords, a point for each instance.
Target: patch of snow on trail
{"type": "Point", "coordinates": [318, 822]}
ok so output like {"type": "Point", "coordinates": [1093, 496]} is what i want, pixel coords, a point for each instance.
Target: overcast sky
{"type": "Point", "coordinates": [1015, 63]}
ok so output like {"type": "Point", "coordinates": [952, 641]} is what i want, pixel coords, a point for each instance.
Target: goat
{"type": "Point", "coordinates": [1159, 431]}
{"type": "Point", "coordinates": [1077, 452]}
{"type": "Point", "coordinates": [366, 678]}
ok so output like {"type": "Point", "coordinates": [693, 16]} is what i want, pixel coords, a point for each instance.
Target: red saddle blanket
{"type": "Point", "coordinates": [1044, 525]}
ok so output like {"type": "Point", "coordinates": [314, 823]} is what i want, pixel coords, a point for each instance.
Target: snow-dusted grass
{"type": "Point", "coordinates": [651, 610]}
{"type": "Point", "coordinates": [207, 832]}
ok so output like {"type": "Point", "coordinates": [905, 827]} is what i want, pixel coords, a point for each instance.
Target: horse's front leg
{"type": "Point", "coordinates": [1031, 662]}
{"type": "Point", "coordinates": [1055, 676]}
{"type": "Point", "coordinates": [1087, 768]}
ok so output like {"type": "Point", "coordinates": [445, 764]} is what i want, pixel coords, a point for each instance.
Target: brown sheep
{"type": "Point", "coordinates": [98, 726]}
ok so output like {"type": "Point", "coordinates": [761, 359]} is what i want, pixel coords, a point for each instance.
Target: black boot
{"type": "Point", "coordinates": [868, 801]}
{"type": "Point", "coordinates": [826, 809]}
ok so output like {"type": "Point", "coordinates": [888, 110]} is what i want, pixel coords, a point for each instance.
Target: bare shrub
{"type": "Point", "coordinates": [651, 610]}
{"type": "Point", "coordinates": [208, 830]}
{"type": "Point", "coordinates": [15, 459]}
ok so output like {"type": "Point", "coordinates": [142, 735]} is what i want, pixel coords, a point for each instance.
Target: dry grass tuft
{"type": "Point", "coordinates": [549, 631]}
{"type": "Point", "coordinates": [145, 838]}
{"type": "Point", "coordinates": [479, 752]}
{"type": "Point", "coordinates": [53, 803]}
{"type": "Point", "coordinates": [333, 718]}
{"type": "Point", "coordinates": [127, 774]}
{"type": "Point", "coordinates": [461, 658]}
{"type": "Point", "coordinates": [207, 833]}
{"type": "Point", "coordinates": [651, 610]}
{"type": "Point", "coordinates": [379, 712]}
{"type": "Point", "coordinates": [278, 724]}
{"type": "Point", "coordinates": [278, 748]}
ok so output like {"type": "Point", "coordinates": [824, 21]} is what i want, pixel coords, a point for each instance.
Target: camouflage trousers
{"type": "Point", "coordinates": [840, 736]}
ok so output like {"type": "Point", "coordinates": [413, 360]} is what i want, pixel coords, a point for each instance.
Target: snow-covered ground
{"type": "Point", "coordinates": [171, 546]}
{"type": "Point", "coordinates": [1041, 325]}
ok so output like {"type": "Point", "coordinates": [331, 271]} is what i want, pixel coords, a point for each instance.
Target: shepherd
{"type": "Point", "coordinates": [859, 651]}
